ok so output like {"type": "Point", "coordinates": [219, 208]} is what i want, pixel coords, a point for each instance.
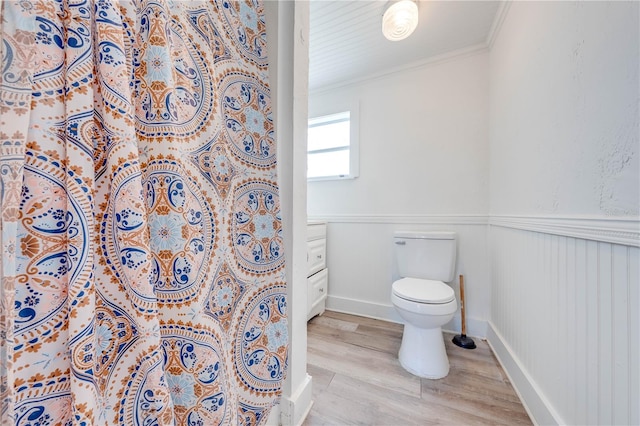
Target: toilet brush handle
{"type": "Point", "coordinates": [462, 317]}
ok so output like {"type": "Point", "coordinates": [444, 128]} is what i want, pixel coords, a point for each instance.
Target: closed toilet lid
{"type": "Point", "coordinates": [423, 291]}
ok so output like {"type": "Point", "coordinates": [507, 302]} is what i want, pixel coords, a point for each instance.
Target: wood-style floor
{"type": "Point", "coordinates": [357, 380]}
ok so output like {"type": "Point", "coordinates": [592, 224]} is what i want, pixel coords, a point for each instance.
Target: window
{"type": "Point", "coordinates": [332, 147]}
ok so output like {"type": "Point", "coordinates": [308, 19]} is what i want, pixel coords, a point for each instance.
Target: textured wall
{"type": "Point", "coordinates": [564, 110]}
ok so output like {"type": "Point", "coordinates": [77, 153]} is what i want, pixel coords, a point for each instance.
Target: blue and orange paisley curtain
{"type": "Point", "coordinates": [142, 267]}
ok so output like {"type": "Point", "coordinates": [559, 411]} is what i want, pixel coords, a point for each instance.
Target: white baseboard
{"type": "Point", "coordinates": [535, 402]}
{"type": "Point", "coordinates": [475, 327]}
{"type": "Point", "coordinates": [363, 308]}
{"type": "Point", "coordinates": [294, 409]}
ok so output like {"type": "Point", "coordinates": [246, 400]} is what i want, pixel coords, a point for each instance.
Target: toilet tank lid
{"type": "Point", "coordinates": [439, 235]}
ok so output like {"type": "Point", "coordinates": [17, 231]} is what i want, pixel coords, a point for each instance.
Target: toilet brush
{"type": "Point", "coordinates": [461, 339]}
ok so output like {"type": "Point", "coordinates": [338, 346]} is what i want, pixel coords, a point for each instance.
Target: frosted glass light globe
{"type": "Point", "coordinates": [400, 20]}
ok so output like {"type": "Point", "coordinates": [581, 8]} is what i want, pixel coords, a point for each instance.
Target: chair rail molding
{"type": "Point", "coordinates": [617, 230]}
{"type": "Point", "coordinates": [427, 219]}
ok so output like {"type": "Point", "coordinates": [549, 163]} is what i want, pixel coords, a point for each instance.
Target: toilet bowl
{"type": "Point", "coordinates": [426, 260]}
{"type": "Point", "coordinates": [425, 306]}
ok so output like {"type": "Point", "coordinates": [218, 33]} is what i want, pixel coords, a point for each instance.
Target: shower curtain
{"type": "Point", "coordinates": [142, 266]}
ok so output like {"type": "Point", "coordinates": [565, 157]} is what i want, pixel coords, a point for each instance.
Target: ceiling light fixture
{"type": "Point", "coordinates": [400, 19]}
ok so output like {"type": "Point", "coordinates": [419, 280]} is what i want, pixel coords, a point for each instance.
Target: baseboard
{"type": "Point", "coordinates": [363, 308]}
{"type": "Point", "coordinates": [475, 327]}
{"type": "Point", "coordinates": [537, 405]}
{"type": "Point", "coordinates": [294, 409]}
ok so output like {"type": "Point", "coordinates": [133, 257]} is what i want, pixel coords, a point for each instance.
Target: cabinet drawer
{"type": "Point", "coordinates": [316, 231]}
{"type": "Point", "coordinates": [317, 288]}
{"type": "Point", "coordinates": [316, 253]}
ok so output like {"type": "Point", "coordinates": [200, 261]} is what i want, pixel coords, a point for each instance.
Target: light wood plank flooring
{"type": "Point", "coordinates": [357, 380]}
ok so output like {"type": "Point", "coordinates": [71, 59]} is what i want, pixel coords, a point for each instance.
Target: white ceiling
{"type": "Point", "coordinates": [346, 41]}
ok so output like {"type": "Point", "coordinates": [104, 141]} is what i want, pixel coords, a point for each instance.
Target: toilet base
{"type": "Point", "coordinates": [422, 352]}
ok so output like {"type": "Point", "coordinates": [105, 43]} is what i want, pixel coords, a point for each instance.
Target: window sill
{"type": "Point", "coordinates": [324, 178]}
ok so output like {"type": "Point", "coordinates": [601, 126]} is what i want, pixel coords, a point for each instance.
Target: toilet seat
{"type": "Point", "coordinates": [423, 291]}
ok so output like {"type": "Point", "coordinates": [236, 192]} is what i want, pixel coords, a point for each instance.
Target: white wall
{"type": "Point", "coordinates": [423, 142]}
{"type": "Point", "coordinates": [423, 165]}
{"type": "Point", "coordinates": [564, 209]}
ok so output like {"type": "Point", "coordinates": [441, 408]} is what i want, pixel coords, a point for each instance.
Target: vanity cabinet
{"type": "Point", "coordinates": [317, 272]}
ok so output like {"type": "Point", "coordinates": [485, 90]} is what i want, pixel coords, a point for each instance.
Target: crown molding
{"type": "Point", "coordinates": [485, 46]}
{"type": "Point", "coordinates": [424, 63]}
{"type": "Point", "coordinates": [498, 20]}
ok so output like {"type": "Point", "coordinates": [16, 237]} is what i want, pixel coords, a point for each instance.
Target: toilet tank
{"type": "Point", "coordinates": [427, 255]}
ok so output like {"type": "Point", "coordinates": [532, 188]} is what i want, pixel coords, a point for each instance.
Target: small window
{"type": "Point", "coordinates": [332, 147]}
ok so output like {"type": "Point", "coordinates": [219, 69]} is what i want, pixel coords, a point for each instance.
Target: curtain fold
{"type": "Point", "coordinates": [142, 263]}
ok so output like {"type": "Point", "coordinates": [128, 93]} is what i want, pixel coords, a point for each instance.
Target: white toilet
{"type": "Point", "coordinates": [426, 260]}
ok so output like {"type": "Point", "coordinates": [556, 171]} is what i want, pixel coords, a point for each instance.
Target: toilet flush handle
{"type": "Point", "coordinates": [401, 243]}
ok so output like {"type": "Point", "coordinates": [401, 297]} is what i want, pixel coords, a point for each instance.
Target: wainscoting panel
{"type": "Point", "coordinates": [565, 313]}
{"type": "Point", "coordinates": [361, 262]}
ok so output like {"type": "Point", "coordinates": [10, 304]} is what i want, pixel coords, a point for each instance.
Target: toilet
{"type": "Point", "coordinates": [426, 261]}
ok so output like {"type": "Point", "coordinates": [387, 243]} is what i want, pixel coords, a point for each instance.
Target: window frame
{"type": "Point", "coordinates": [354, 143]}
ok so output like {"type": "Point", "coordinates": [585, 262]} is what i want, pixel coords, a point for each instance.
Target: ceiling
{"type": "Point", "coordinates": [346, 41]}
